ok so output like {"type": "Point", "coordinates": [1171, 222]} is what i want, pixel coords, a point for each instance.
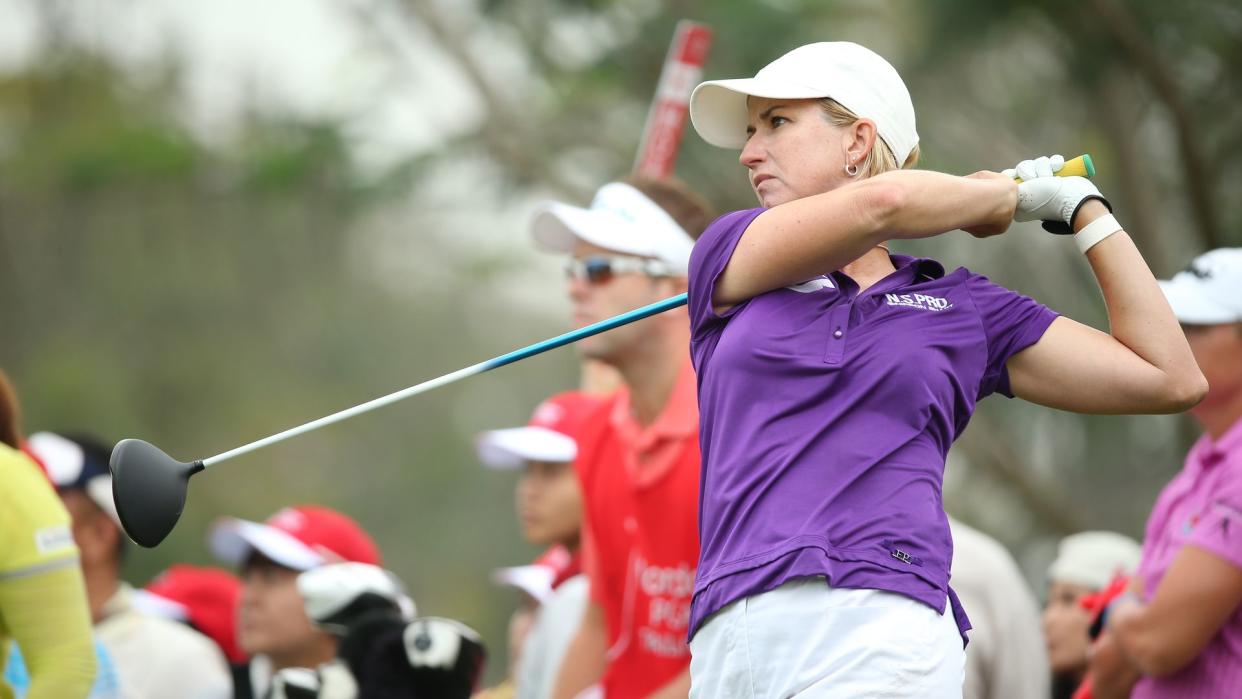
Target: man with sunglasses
{"type": "Point", "coordinates": [639, 467]}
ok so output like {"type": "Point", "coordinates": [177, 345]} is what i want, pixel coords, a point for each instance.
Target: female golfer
{"type": "Point", "coordinates": [834, 376]}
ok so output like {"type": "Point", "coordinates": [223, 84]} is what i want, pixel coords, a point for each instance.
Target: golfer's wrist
{"type": "Point", "coordinates": [1088, 213]}
{"type": "Point", "coordinates": [1096, 231]}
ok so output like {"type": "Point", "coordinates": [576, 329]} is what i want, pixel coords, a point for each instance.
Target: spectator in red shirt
{"type": "Point", "coordinates": [639, 466]}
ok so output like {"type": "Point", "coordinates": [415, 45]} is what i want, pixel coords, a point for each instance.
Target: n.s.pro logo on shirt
{"type": "Point", "coordinates": [919, 301]}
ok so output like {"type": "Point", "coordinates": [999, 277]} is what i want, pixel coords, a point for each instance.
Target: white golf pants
{"type": "Point", "coordinates": [808, 640]}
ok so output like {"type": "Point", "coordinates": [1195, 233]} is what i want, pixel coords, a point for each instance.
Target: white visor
{"type": "Point", "coordinates": [621, 219]}
{"type": "Point", "coordinates": [534, 580]}
{"type": "Point", "coordinates": [512, 448]}
{"type": "Point", "coordinates": [233, 540]}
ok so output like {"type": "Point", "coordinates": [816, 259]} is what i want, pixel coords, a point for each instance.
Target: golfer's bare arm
{"type": "Point", "coordinates": [801, 239]}
{"type": "Point", "coordinates": [1142, 365]}
{"type": "Point", "coordinates": [1198, 594]}
{"type": "Point", "coordinates": [584, 660]}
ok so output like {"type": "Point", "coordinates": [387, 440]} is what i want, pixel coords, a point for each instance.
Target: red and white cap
{"type": "Point", "coordinates": [205, 597]}
{"type": "Point", "coordinates": [300, 538]}
{"type": "Point", "coordinates": [540, 577]}
{"type": "Point", "coordinates": [1209, 291]}
{"type": "Point", "coordinates": [551, 435]}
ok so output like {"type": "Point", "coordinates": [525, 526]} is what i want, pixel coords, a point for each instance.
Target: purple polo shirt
{"type": "Point", "coordinates": [826, 416]}
{"type": "Point", "coordinates": [1200, 507]}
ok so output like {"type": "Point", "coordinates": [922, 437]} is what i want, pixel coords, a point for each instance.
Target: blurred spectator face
{"type": "Point", "coordinates": [594, 301]}
{"type": "Point", "coordinates": [1065, 625]}
{"type": "Point", "coordinates": [549, 503]}
{"type": "Point", "coordinates": [96, 535]}
{"type": "Point", "coordinates": [1216, 349]}
{"type": "Point", "coordinates": [271, 619]}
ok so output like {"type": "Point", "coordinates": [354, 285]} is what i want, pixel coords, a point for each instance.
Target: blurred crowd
{"type": "Point", "coordinates": [607, 486]}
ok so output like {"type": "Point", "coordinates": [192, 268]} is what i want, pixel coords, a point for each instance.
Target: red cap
{"type": "Point", "coordinates": [300, 538]}
{"type": "Point", "coordinates": [551, 435]}
{"type": "Point", "coordinates": [205, 597]}
{"type": "Point", "coordinates": [545, 574]}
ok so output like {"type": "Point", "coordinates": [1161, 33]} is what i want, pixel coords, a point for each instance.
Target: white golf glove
{"type": "Point", "coordinates": [1044, 197]}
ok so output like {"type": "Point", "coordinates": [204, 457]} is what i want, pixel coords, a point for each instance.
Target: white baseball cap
{"type": "Point", "coordinates": [551, 435]}
{"type": "Point", "coordinates": [622, 219]}
{"type": "Point", "coordinates": [1209, 291]}
{"type": "Point", "coordinates": [77, 463]}
{"type": "Point", "coordinates": [856, 77]}
{"type": "Point", "coordinates": [1092, 559]}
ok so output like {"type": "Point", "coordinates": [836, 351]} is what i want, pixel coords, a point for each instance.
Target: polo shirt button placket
{"type": "Point", "coordinates": [836, 345]}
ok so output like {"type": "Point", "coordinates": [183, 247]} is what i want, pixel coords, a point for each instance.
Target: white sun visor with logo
{"type": "Point", "coordinates": [511, 448]}
{"type": "Point", "coordinates": [621, 219]}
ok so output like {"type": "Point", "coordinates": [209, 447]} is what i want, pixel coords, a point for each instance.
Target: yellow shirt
{"type": "Point", "coordinates": [36, 552]}
{"type": "Point", "coordinates": [35, 531]}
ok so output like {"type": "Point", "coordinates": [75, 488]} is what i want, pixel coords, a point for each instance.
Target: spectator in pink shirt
{"type": "Point", "coordinates": [1179, 630]}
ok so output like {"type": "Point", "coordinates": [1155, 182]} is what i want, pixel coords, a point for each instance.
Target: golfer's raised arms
{"type": "Point", "coordinates": [802, 239]}
{"type": "Point", "coordinates": [1142, 365]}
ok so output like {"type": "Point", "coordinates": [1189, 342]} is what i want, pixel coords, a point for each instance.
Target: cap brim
{"type": "Point", "coordinates": [99, 489]}
{"type": "Point", "coordinates": [558, 227]}
{"type": "Point", "coordinates": [233, 540]}
{"type": "Point", "coordinates": [553, 226]}
{"type": "Point", "coordinates": [534, 580]}
{"type": "Point", "coordinates": [156, 605]}
{"type": "Point", "coordinates": [718, 107]}
{"type": "Point", "coordinates": [511, 448]}
{"type": "Point", "coordinates": [1192, 306]}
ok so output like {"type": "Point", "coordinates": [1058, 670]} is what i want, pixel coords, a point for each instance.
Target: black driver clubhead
{"type": "Point", "coordinates": [149, 488]}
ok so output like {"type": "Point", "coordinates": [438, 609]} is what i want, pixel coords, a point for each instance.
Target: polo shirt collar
{"type": "Point", "coordinates": [908, 270]}
{"type": "Point", "coordinates": [1209, 452]}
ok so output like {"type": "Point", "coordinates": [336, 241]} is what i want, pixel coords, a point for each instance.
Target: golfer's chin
{"type": "Point", "coordinates": [590, 348]}
{"type": "Point", "coordinates": [771, 194]}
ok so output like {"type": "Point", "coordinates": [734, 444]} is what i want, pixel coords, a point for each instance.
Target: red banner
{"type": "Point", "coordinates": [683, 68]}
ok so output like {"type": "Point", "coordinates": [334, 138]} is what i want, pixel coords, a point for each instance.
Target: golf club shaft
{"type": "Point", "coordinates": [481, 367]}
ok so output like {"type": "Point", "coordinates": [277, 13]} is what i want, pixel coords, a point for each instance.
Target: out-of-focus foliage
{"type": "Point", "coordinates": [205, 292]}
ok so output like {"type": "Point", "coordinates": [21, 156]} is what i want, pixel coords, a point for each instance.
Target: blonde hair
{"type": "Point", "coordinates": [880, 158]}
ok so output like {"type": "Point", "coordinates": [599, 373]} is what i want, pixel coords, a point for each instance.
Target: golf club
{"type": "Point", "coordinates": [150, 486]}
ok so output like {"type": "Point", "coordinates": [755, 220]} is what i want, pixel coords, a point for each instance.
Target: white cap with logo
{"type": "Point", "coordinates": [854, 76]}
{"type": "Point", "coordinates": [1209, 291]}
{"type": "Point", "coordinates": [1092, 559]}
{"type": "Point", "coordinates": [621, 219]}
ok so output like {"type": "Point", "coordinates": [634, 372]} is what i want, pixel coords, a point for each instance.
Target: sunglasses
{"type": "Point", "coordinates": [599, 269]}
